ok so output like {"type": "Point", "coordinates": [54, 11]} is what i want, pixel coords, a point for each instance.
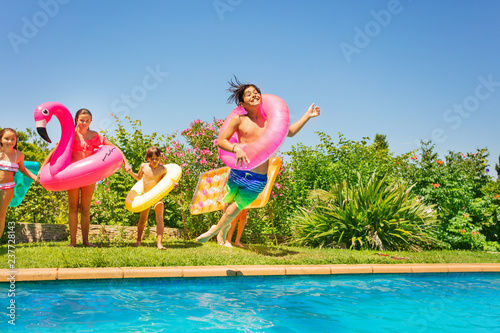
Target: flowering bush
{"type": "Point", "coordinates": [457, 186]}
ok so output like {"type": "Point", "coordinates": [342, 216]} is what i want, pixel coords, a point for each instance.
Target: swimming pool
{"type": "Point", "coordinates": [335, 303]}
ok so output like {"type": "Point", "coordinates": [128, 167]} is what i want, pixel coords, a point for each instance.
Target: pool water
{"type": "Point", "coordinates": [334, 303]}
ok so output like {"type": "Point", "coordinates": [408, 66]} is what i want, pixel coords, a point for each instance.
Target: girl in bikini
{"type": "Point", "coordinates": [86, 141]}
{"type": "Point", "coordinates": [11, 161]}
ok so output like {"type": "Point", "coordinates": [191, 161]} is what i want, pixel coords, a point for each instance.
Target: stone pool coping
{"type": "Point", "coordinates": [51, 274]}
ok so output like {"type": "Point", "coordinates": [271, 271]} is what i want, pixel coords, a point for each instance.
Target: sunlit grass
{"type": "Point", "coordinates": [190, 253]}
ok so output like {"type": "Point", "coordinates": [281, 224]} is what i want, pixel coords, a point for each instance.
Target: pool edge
{"type": "Point", "coordinates": [51, 274]}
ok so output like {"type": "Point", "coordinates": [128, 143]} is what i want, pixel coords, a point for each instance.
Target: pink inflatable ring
{"type": "Point", "coordinates": [60, 174]}
{"type": "Point", "coordinates": [258, 152]}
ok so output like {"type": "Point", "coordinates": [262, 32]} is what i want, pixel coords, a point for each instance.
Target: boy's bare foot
{"type": "Point", "coordinates": [138, 244]}
{"type": "Point", "coordinates": [71, 245]}
{"type": "Point", "coordinates": [89, 244]}
{"type": "Point", "coordinates": [203, 238]}
{"type": "Point", "coordinates": [161, 247]}
{"type": "Point", "coordinates": [228, 244]}
{"type": "Point", "coordinates": [220, 237]}
{"type": "Point", "coordinates": [238, 244]}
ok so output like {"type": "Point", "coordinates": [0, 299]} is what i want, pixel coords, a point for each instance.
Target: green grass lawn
{"type": "Point", "coordinates": [190, 253]}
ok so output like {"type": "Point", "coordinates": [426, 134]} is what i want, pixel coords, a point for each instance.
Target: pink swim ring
{"type": "Point", "coordinates": [60, 174]}
{"type": "Point", "coordinates": [258, 152]}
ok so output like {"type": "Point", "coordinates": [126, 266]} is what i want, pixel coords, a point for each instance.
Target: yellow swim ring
{"type": "Point", "coordinates": [137, 200]}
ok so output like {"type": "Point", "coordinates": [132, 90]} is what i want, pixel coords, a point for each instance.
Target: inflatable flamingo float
{"type": "Point", "coordinates": [60, 174]}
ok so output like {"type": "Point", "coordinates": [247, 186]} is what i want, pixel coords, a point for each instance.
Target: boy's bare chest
{"type": "Point", "coordinates": [250, 131]}
{"type": "Point", "coordinates": [154, 174]}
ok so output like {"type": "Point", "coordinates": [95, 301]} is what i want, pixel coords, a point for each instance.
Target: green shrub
{"type": "Point", "coordinates": [377, 215]}
{"type": "Point", "coordinates": [458, 185]}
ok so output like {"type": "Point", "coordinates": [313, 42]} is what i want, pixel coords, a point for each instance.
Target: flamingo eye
{"type": "Point", "coordinates": [45, 112]}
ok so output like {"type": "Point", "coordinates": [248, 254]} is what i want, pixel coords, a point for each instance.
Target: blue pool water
{"type": "Point", "coordinates": [334, 303]}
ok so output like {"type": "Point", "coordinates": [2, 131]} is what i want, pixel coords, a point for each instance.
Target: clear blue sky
{"type": "Point", "coordinates": [411, 70]}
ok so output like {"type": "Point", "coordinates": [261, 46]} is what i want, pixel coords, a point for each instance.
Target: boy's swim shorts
{"type": "Point", "coordinates": [244, 187]}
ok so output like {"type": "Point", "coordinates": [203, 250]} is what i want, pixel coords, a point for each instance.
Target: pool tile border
{"type": "Point", "coordinates": [51, 274]}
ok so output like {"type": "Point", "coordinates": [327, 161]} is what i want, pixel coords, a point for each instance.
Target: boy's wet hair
{"type": "Point", "coordinates": [153, 151]}
{"type": "Point", "coordinates": [82, 112]}
{"type": "Point", "coordinates": [5, 130]}
{"type": "Point", "coordinates": [237, 90]}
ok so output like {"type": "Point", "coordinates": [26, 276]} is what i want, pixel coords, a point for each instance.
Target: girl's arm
{"type": "Point", "coordinates": [126, 165]}
{"type": "Point", "coordinates": [23, 169]}
{"type": "Point", "coordinates": [297, 126]}
{"type": "Point", "coordinates": [45, 162]}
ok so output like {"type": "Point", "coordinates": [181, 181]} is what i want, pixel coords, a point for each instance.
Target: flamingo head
{"type": "Point", "coordinates": [43, 114]}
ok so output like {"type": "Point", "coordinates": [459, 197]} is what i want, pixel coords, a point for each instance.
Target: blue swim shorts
{"type": "Point", "coordinates": [244, 187]}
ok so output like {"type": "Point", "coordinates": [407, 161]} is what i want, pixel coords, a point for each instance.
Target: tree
{"type": "Point", "coordinates": [380, 142]}
{"type": "Point", "coordinates": [497, 167]}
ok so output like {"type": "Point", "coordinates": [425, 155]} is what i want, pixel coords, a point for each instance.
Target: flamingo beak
{"type": "Point", "coordinates": [42, 131]}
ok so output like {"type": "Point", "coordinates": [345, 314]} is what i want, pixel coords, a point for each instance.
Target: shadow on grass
{"type": "Point", "coordinates": [4, 247]}
{"type": "Point", "coordinates": [269, 251]}
{"type": "Point", "coordinates": [168, 245]}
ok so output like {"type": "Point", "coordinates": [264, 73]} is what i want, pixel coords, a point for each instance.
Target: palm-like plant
{"type": "Point", "coordinates": [377, 215]}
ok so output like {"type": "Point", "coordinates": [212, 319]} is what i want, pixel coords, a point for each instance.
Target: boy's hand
{"type": "Point", "coordinates": [127, 168]}
{"type": "Point", "coordinates": [176, 185]}
{"type": "Point", "coordinates": [241, 156]}
{"type": "Point", "coordinates": [313, 111]}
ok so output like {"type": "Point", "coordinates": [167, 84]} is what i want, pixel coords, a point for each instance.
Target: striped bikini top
{"type": "Point", "coordinates": [9, 166]}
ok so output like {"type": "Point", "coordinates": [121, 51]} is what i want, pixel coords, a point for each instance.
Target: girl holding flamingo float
{"type": "Point", "coordinates": [11, 160]}
{"type": "Point", "coordinates": [77, 162]}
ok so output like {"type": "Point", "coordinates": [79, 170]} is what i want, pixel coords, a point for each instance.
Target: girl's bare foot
{"type": "Point", "coordinates": [161, 247]}
{"type": "Point", "coordinates": [238, 244]}
{"type": "Point", "coordinates": [228, 244]}
{"type": "Point", "coordinates": [203, 238]}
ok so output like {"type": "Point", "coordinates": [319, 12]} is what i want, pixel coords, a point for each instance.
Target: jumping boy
{"type": "Point", "coordinates": [244, 186]}
{"type": "Point", "coordinates": [151, 173]}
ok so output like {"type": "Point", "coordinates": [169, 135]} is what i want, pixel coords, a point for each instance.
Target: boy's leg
{"type": "Point", "coordinates": [231, 212]}
{"type": "Point", "coordinates": [160, 228]}
{"type": "Point", "coordinates": [221, 239]}
{"type": "Point", "coordinates": [143, 219]}
{"type": "Point", "coordinates": [241, 227]}
{"type": "Point", "coordinates": [230, 232]}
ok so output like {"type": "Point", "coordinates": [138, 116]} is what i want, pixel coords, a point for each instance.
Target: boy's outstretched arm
{"type": "Point", "coordinates": [312, 112]}
{"type": "Point", "coordinates": [136, 176]}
